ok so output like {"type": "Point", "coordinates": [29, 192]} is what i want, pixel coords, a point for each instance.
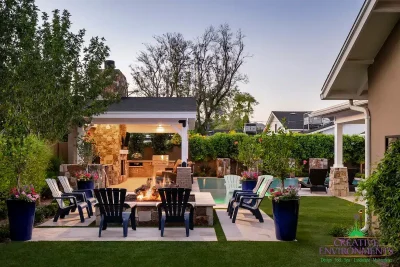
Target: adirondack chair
{"type": "Point", "coordinates": [316, 181]}
{"type": "Point", "coordinates": [111, 202]}
{"type": "Point", "coordinates": [237, 193]}
{"type": "Point", "coordinates": [232, 183]}
{"type": "Point", "coordinates": [251, 203]}
{"type": "Point", "coordinates": [80, 194]}
{"type": "Point", "coordinates": [64, 209]}
{"type": "Point", "coordinates": [173, 206]}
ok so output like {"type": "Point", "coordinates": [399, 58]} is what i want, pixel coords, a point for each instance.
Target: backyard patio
{"type": "Point", "coordinates": [317, 216]}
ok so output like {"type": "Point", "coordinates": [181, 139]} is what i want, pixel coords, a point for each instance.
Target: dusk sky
{"type": "Point", "coordinates": [294, 43]}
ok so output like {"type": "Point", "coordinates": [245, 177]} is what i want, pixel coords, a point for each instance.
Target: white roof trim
{"type": "Point", "coordinates": [145, 115]}
{"type": "Point", "coordinates": [362, 17]}
{"type": "Point", "coordinates": [336, 108]}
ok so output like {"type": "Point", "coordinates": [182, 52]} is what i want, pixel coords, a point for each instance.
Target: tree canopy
{"type": "Point", "coordinates": [207, 68]}
{"type": "Point", "coordinates": [50, 80]}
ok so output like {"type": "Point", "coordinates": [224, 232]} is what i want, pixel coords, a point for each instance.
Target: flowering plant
{"type": "Point", "coordinates": [289, 193]}
{"type": "Point", "coordinates": [86, 176]}
{"type": "Point", "coordinates": [26, 193]}
{"type": "Point", "coordinates": [249, 175]}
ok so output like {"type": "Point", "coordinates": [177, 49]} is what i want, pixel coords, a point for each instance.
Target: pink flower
{"type": "Point", "coordinates": [304, 162]}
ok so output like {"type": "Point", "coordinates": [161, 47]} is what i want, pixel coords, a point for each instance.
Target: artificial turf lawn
{"type": "Point", "coordinates": [317, 216]}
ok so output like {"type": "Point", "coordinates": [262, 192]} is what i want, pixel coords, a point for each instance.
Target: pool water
{"type": "Point", "coordinates": [216, 186]}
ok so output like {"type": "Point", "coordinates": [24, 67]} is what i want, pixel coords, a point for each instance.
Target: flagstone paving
{"type": "Point", "coordinates": [247, 227]}
{"type": "Point", "coordinates": [115, 234]}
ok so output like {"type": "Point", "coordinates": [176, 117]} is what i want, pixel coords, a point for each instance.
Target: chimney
{"type": "Point", "coordinates": [109, 64]}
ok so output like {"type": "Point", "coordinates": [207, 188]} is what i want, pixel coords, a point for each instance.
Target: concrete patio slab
{"type": "Point", "coordinates": [115, 234]}
{"type": "Point", "coordinates": [247, 227]}
{"type": "Point", "coordinates": [71, 220]}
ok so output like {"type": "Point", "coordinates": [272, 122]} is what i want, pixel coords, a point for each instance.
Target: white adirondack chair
{"type": "Point", "coordinates": [64, 209]}
{"type": "Point", "coordinates": [236, 194]}
{"type": "Point", "coordinates": [80, 194]}
{"type": "Point", "coordinates": [232, 183]}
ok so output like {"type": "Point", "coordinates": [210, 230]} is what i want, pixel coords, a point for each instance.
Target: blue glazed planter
{"type": "Point", "coordinates": [249, 184]}
{"type": "Point", "coordinates": [88, 186]}
{"type": "Point", "coordinates": [21, 216]}
{"type": "Point", "coordinates": [286, 214]}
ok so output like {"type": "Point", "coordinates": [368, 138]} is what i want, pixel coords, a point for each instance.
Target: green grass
{"type": "Point", "coordinates": [317, 216]}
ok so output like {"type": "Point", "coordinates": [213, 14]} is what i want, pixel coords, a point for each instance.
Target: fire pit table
{"type": "Point", "coordinates": [147, 214]}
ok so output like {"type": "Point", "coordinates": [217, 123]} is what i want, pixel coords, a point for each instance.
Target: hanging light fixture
{"type": "Point", "coordinates": [160, 129]}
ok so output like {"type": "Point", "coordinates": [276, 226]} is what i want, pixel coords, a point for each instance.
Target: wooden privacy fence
{"type": "Point", "coordinates": [60, 150]}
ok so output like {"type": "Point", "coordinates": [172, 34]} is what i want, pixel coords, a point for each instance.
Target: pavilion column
{"type": "Point", "coordinates": [338, 177]}
{"type": "Point", "coordinates": [184, 143]}
{"type": "Point", "coordinates": [338, 145]}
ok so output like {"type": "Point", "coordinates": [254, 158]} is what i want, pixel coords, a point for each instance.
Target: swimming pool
{"type": "Point", "coordinates": [216, 186]}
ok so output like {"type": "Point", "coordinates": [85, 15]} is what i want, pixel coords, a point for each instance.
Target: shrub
{"type": "Point", "coordinates": [250, 152]}
{"type": "Point", "coordinates": [39, 215]}
{"type": "Point", "coordinates": [54, 167]}
{"type": "Point", "coordinates": [32, 156]}
{"type": "Point", "coordinates": [4, 232]}
{"type": "Point", "coordinates": [339, 231]}
{"type": "Point", "coordinates": [3, 211]}
{"type": "Point", "coordinates": [383, 196]}
{"type": "Point", "coordinates": [200, 148]}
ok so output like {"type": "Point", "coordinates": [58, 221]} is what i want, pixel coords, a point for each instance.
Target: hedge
{"type": "Point", "coordinates": [223, 145]}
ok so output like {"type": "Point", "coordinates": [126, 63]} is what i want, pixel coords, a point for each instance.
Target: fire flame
{"type": "Point", "coordinates": [150, 194]}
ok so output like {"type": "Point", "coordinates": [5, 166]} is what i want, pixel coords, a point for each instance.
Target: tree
{"type": "Point", "coordinates": [250, 152]}
{"type": "Point", "coordinates": [240, 111]}
{"type": "Point", "coordinates": [207, 69]}
{"type": "Point", "coordinates": [50, 79]}
{"type": "Point", "coordinates": [161, 70]}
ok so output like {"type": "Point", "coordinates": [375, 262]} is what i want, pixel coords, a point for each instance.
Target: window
{"type": "Point", "coordinates": [390, 139]}
{"type": "Point", "coordinates": [276, 127]}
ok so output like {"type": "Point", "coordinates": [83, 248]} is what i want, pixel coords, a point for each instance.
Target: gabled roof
{"type": "Point", "coordinates": [292, 120]}
{"type": "Point", "coordinates": [348, 78]}
{"type": "Point", "coordinates": [154, 104]}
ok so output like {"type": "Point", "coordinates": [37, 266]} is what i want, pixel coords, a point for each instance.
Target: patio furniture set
{"type": "Point", "coordinates": [173, 208]}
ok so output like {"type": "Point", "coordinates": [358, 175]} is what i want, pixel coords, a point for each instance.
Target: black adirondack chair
{"type": "Point", "coordinates": [111, 202]}
{"type": "Point", "coordinates": [173, 208]}
{"type": "Point", "coordinates": [316, 180]}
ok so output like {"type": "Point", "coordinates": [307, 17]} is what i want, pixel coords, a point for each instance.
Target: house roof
{"type": "Point", "coordinates": [291, 119]}
{"type": "Point", "coordinates": [348, 78]}
{"type": "Point", "coordinates": [154, 104]}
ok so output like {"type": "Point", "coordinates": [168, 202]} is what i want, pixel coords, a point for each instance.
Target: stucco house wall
{"type": "Point", "coordinates": [384, 95]}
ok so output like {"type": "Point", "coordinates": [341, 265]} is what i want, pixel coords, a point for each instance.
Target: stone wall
{"type": "Point", "coordinates": [184, 177]}
{"type": "Point", "coordinates": [108, 143]}
{"type": "Point", "coordinates": [69, 170]}
{"type": "Point", "coordinates": [338, 182]}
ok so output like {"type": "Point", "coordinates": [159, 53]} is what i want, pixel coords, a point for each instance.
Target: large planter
{"type": "Point", "coordinates": [21, 216]}
{"type": "Point", "coordinates": [249, 184]}
{"type": "Point", "coordinates": [286, 214]}
{"type": "Point", "coordinates": [88, 186]}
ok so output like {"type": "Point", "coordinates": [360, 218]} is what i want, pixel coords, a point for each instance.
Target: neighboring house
{"type": "Point", "coordinates": [291, 120]}
{"type": "Point", "coordinates": [330, 114]}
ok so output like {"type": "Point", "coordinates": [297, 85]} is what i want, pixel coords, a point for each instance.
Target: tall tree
{"type": "Point", "coordinates": [239, 112]}
{"type": "Point", "coordinates": [207, 69]}
{"type": "Point", "coordinates": [50, 80]}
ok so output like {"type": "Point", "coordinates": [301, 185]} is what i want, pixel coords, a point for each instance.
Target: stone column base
{"type": "Point", "coordinates": [338, 182]}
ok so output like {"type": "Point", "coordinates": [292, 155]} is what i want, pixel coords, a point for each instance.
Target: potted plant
{"type": "Point", "coordinates": [85, 180]}
{"type": "Point", "coordinates": [250, 151]}
{"type": "Point", "coordinates": [24, 159]}
{"type": "Point", "coordinates": [21, 208]}
{"type": "Point", "coordinates": [249, 180]}
{"type": "Point", "coordinates": [285, 204]}
{"type": "Point", "coordinates": [279, 162]}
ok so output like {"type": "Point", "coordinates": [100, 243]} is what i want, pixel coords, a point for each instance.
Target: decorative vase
{"type": "Point", "coordinates": [249, 184]}
{"type": "Point", "coordinates": [286, 214]}
{"type": "Point", "coordinates": [21, 216]}
{"type": "Point", "coordinates": [88, 186]}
